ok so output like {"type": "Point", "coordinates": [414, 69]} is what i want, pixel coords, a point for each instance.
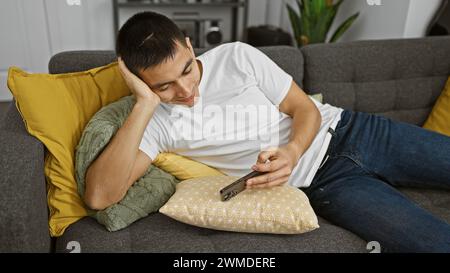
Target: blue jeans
{"type": "Point", "coordinates": [369, 156]}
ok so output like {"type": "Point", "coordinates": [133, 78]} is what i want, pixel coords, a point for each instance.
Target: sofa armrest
{"type": "Point", "coordinates": [23, 202]}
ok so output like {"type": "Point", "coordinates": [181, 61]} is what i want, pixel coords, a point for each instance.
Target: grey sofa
{"type": "Point", "coordinates": [400, 79]}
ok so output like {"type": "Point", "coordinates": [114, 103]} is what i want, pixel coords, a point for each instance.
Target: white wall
{"type": "Point", "coordinates": [257, 12]}
{"type": "Point", "coordinates": [76, 27]}
{"type": "Point", "coordinates": [38, 29]}
{"type": "Point", "coordinates": [385, 21]}
{"type": "Point", "coordinates": [420, 13]}
{"type": "Point", "coordinates": [24, 39]}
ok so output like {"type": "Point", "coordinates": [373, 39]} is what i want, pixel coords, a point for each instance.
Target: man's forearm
{"type": "Point", "coordinates": [107, 177]}
{"type": "Point", "coordinates": [305, 126]}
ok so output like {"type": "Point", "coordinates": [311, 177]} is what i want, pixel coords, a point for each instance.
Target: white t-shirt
{"type": "Point", "coordinates": [236, 116]}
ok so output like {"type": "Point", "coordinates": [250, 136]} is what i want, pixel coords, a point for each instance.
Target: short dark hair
{"type": "Point", "coordinates": [147, 39]}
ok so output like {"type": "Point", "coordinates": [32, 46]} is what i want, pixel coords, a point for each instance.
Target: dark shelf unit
{"type": "Point", "coordinates": [235, 6]}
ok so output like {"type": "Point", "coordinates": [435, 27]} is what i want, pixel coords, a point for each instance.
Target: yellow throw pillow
{"type": "Point", "coordinates": [183, 168]}
{"type": "Point", "coordinates": [56, 109]}
{"type": "Point", "coordinates": [439, 118]}
{"type": "Point", "coordinates": [281, 210]}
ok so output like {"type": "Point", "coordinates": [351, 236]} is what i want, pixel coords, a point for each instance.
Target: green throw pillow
{"type": "Point", "coordinates": [147, 195]}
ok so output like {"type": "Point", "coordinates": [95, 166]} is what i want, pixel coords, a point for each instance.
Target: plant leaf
{"type": "Point", "coordinates": [300, 5]}
{"type": "Point", "coordinates": [332, 11]}
{"type": "Point", "coordinates": [343, 27]}
{"type": "Point", "coordinates": [295, 22]}
{"type": "Point", "coordinates": [318, 6]}
{"type": "Point", "coordinates": [313, 16]}
{"type": "Point", "coordinates": [306, 26]}
{"type": "Point", "coordinates": [323, 25]}
{"type": "Point", "coordinates": [317, 26]}
{"type": "Point", "coordinates": [306, 11]}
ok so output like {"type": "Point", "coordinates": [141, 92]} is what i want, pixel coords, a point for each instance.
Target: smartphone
{"type": "Point", "coordinates": [237, 186]}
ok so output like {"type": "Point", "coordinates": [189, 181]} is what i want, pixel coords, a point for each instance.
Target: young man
{"type": "Point", "coordinates": [346, 162]}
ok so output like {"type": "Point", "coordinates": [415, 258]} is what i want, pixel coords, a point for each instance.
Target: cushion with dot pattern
{"type": "Point", "coordinates": [280, 210]}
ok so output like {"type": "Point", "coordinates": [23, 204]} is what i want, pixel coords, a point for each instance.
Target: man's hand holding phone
{"type": "Point", "coordinates": [272, 168]}
{"type": "Point", "coordinates": [276, 164]}
{"type": "Point", "coordinates": [139, 88]}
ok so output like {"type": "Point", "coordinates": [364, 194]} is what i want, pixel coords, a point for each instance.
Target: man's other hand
{"type": "Point", "coordinates": [139, 88]}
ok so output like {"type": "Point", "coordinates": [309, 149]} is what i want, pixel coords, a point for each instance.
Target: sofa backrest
{"type": "Point", "coordinates": [288, 58]}
{"type": "Point", "coordinates": [400, 79]}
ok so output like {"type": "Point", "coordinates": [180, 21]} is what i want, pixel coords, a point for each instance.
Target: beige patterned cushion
{"type": "Point", "coordinates": [282, 210]}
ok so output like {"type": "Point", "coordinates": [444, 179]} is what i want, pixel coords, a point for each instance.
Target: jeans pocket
{"type": "Point", "coordinates": [347, 117]}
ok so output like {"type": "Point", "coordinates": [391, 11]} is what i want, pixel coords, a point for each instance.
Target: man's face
{"type": "Point", "coordinates": [175, 80]}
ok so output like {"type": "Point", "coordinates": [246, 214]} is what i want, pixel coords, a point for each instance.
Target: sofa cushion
{"type": "Point", "coordinates": [400, 79]}
{"type": "Point", "coordinates": [159, 233]}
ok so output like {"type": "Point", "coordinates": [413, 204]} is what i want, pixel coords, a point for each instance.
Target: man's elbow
{"type": "Point", "coordinates": [93, 202]}
{"type": "Point", "coordinates": [97, 199]}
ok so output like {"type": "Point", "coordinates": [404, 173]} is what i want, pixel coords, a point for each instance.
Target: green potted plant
{"type": "Point", "coordinates": [313, 22]}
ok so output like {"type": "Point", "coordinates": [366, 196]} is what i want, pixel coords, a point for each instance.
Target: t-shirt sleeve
{"type": "Point", "coordinates": [151, 142]}
{"type": "Point", "coordinates": [271, 79]}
